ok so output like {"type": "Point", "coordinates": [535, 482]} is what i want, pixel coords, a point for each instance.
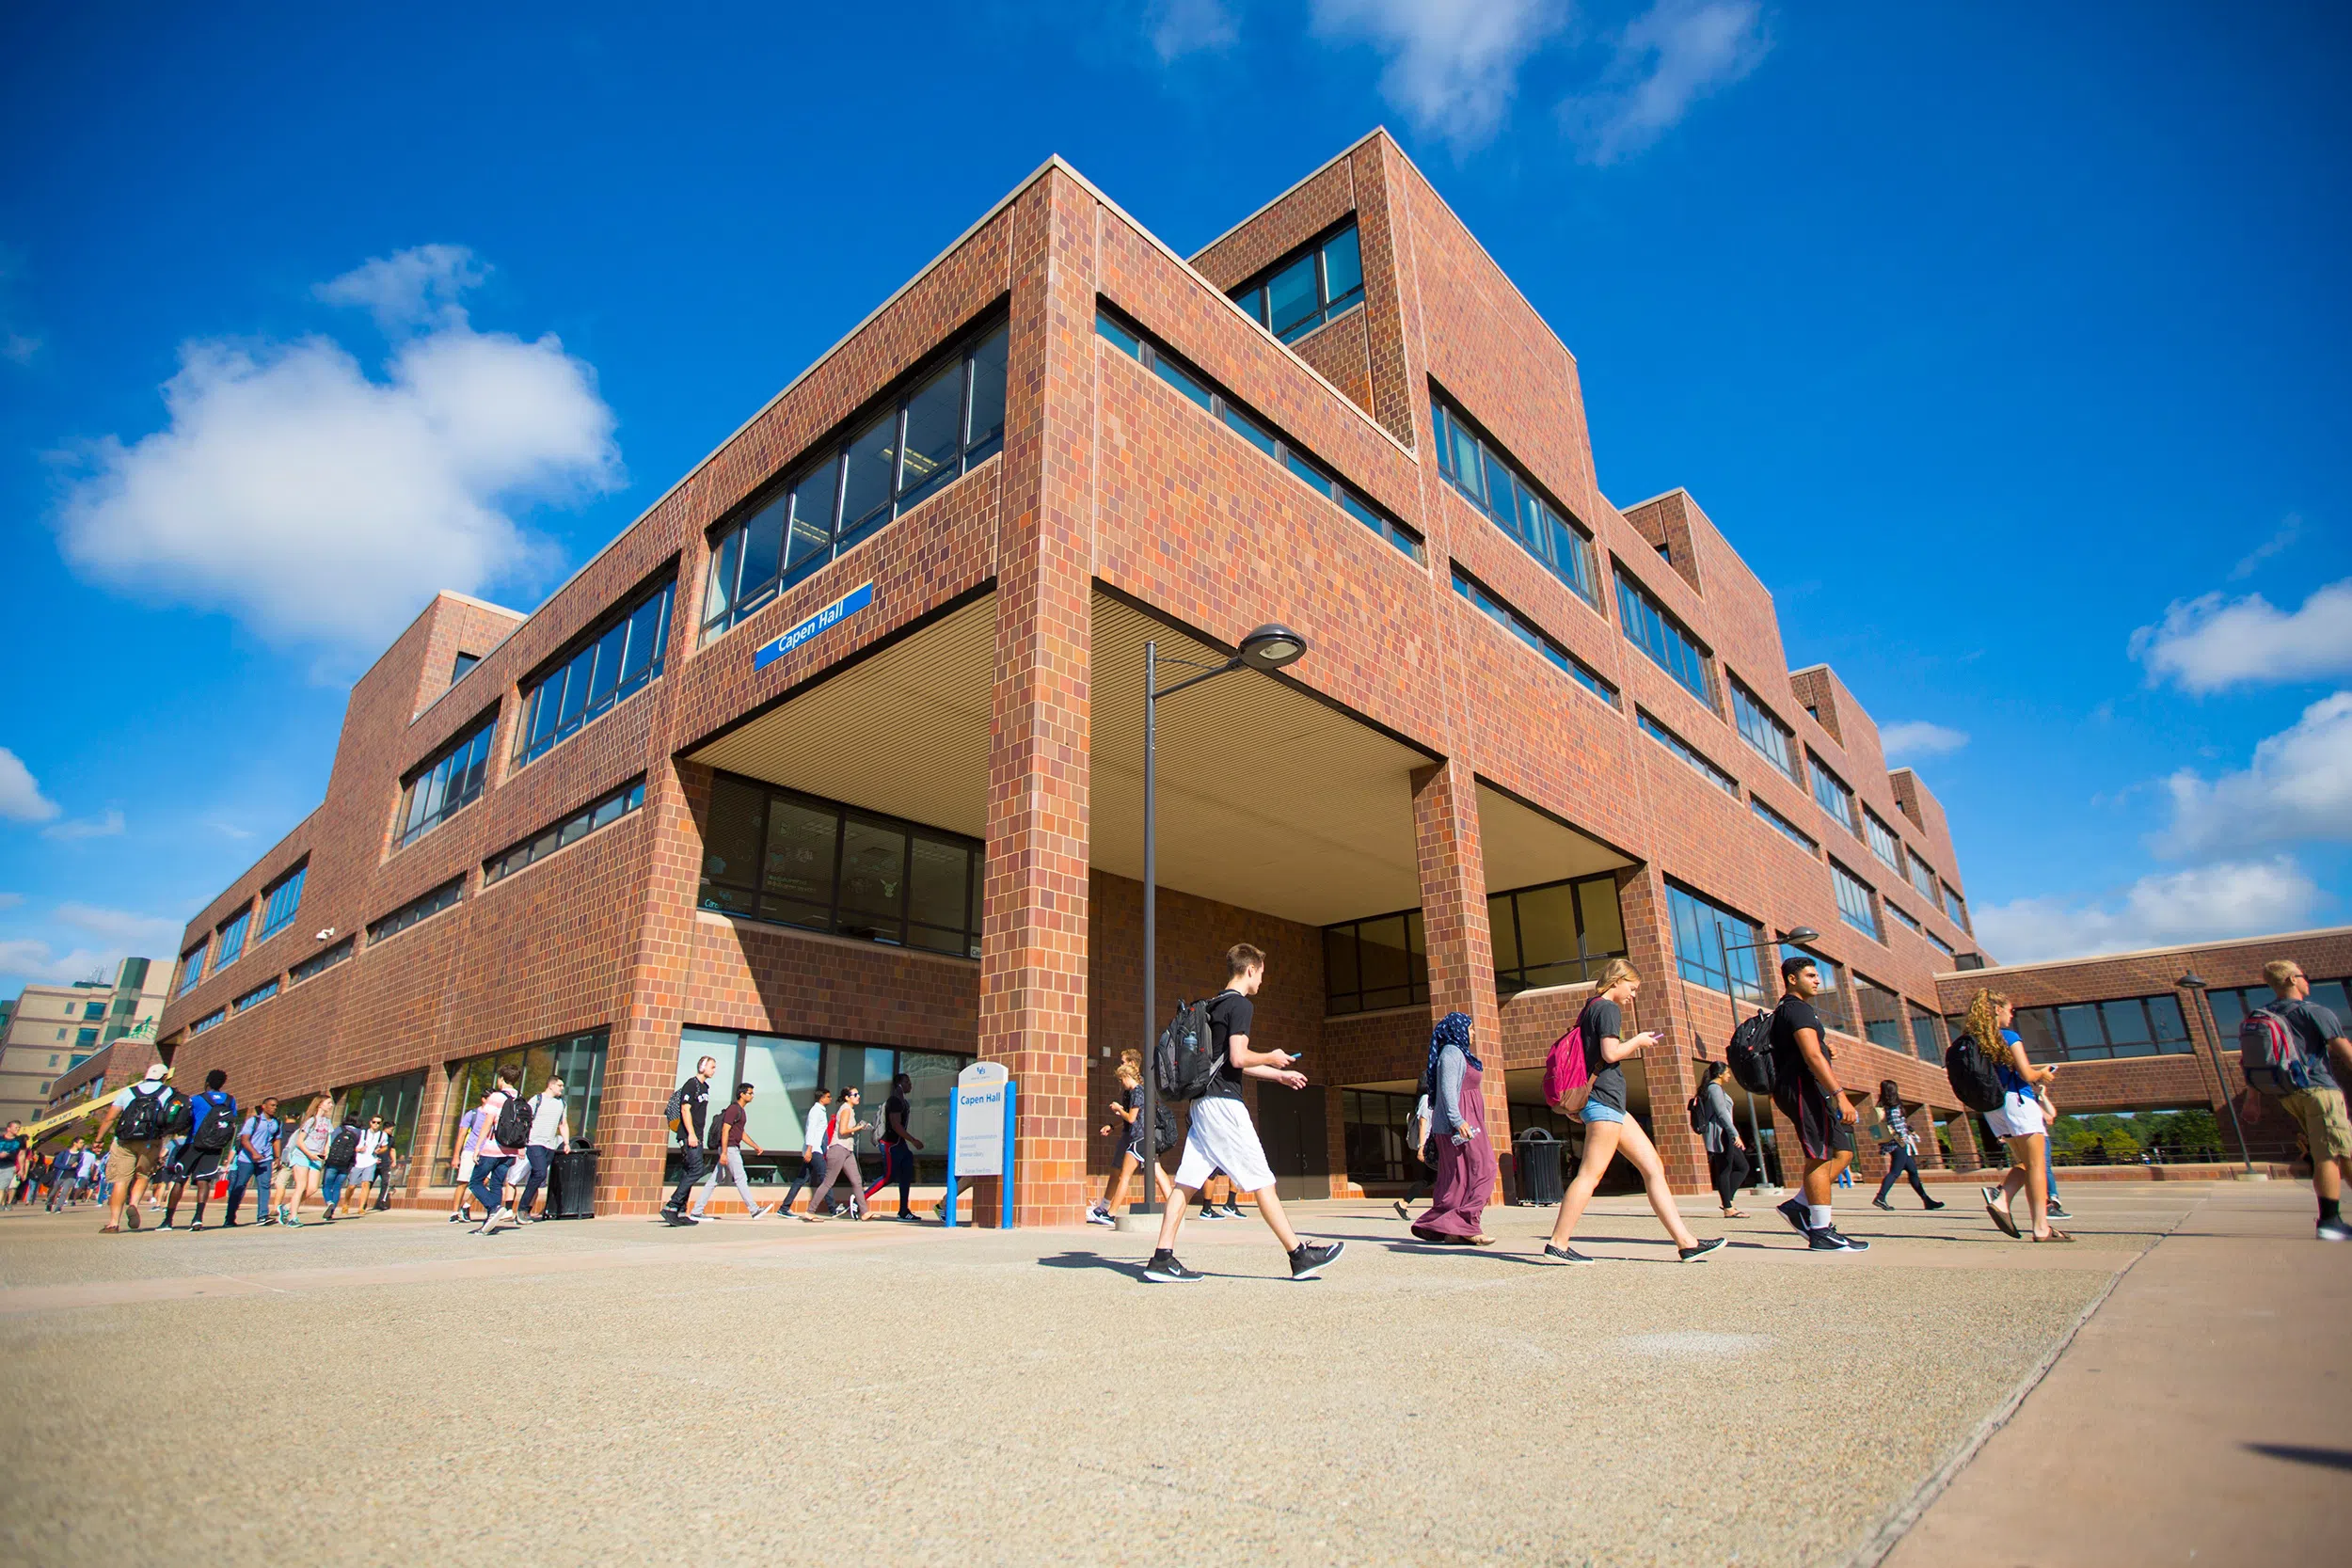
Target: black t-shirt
{"type": "Point", "coordinates": [693, 1105]}
{"type": "Point", "coordinates": [1789, 1068]}
{"type": "Point", "coordinates": [1229, 1014]}
{"type": "Point", "coordinates": [895, 1106]}
{"type": "Point", "coordinates": [1603, 1020]}
{"type": "Point", "coordinates": [2312, 1026]}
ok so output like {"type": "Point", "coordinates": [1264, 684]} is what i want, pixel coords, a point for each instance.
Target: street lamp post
{"type": "Point", "coordinates": [2195, 985]}
{"type": "Point", "coordinates": [1801, 934]}
{"type": "Point", "coordinates": [1265, 650]}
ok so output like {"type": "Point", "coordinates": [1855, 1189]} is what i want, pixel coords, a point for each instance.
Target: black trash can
{"type": "Point", "coordinates": [572, 1185]}
{"type": "Point", "coordinates": [1535, 1157]}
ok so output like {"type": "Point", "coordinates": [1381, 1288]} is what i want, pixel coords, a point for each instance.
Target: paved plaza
{"type": "Point", "coordinates": [392, 1389]}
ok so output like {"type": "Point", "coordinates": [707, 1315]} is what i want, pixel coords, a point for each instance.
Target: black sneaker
{"type": "Point", "coordinates": [2057, 1212]}
{"type": "Point", "coordinates": [1566, 1254]}
{"type": "Point", "coordinates": [1692, 1254]}
{"type": "Point", "coordinates": [1799, 1216]}
{"type": "Point", "coordinates": [1402, 1211]}
{"type": "Point", "coordinates": [1165, 1270]}
{"type": "Point", "coordinates": [1934, 1203]}
{"type": "Point", "coordinates": [1311, 1258]}
{"type": "Point", "coordinates": [671, 1216]}
{"type": "Point", "coordinates": [1845, 1242]}
{"type": "Point", "coordinates": [1208, 1213]}
{"type": "Point", "coordinates": [1825, 1240]}
{"type": "Point", "coordinates": [1881, 1203]}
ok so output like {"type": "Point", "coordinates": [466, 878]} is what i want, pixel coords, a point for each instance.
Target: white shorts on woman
{"type": "Point", "coordinates": [2020, 1117]}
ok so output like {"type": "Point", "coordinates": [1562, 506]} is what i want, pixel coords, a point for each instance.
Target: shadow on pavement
{"type": "Point", "coordinates": [1092, 1261]}
{"type": "Point", "coordinates": [2327, 1459]}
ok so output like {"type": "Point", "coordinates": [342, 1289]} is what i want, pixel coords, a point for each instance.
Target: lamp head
{"type": "Point", "coordinates": [2191, 981]}
{"type": "Point", "coordinates": [1801, 934]}
{"type": "Point", "coordinates": [1271, 646]}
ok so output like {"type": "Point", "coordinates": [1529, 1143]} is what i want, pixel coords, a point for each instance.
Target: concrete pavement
{"type": "Point", "coordinates": [392, 1389]}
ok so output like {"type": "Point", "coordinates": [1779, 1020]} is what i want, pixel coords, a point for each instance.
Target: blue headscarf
{"type": "Point", "coordinates": [1452, 1029]}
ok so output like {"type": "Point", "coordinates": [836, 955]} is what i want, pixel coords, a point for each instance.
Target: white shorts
{"type": "Point", "coordinates": [2020, 1117]}
{"type": "Point", "coordinates": [465, 1169]}
{"type": "Point", "coordinates": [1222, 1137]}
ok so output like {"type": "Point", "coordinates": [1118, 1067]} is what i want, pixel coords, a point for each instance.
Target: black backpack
{"type": "Point", "coordinates": [514, 1128]}
{"type": "Point", "coordinates": [1185, 1059]}
{"type": "Point", "coordinates": [1162, 1127]}
{"type": "Point", "coordinates": [219, 1126]}
{"type": "Point", "coordinates": [1699, 1116]}
{"type": "Point", "coordinates": [345, 1151]}
{"type": "Point", "coordinates": [1751, 1054]}
{"type": "Point", "coordinates": [146, 1118]}
{"type": "Point", "coordinates": [1971, 1073]}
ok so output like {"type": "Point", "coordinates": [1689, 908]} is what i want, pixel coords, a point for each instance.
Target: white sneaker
{"type": "Point", "coordinates": [1100, 1216]}
{"type": "Point", "coordinates": [763, 1210]}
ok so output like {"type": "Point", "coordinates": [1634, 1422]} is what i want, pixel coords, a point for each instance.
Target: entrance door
{"type": "Point", "coordinates": [1289, 1121]}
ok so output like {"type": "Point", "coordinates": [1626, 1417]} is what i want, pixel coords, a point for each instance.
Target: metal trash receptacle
{"type": "Point", "coordinates": [1536, 1158]}
{"type": "Point", "coordinates": [572, 1185]}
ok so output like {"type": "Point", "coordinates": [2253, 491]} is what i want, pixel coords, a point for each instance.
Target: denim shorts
{"type": "Point", "coordinates": [1597, 1110]}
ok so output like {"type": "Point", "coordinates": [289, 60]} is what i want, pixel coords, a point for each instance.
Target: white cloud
{"type": "Point", "coordinates": [320, 504]}
{"type": "Point", "coordinates": [2208, 644]}
{"type": "Point", "coordinates": [10, 901]}
{"type": "Point", "coordinates": [2247, 563]}
{"type": "Point", "coordinates": [1667, 58]}
{"type": "Point", "coordinates": [152, 932]}
{"type": "Point", "coordinates": [2206, 903]}
{"type": "Point", "coordinates": [36, 960]}
{"type": "Point", "coordinates": [2300, 787]}
{"type": "Point", "coordinates": [1453, 64]}
{"type": "Point", "coordinates": [1916, 738]}
{"type": "Point", "coordinates": [229, 830]}
{"type": "Point", "coordinates": [21, 800]}
{"type": "Point", "coordinates": [85, 827]}
{"type": "Point", "coordinates": [1181, 27]}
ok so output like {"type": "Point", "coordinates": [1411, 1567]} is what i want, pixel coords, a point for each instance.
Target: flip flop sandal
{"type": "Point", "coordinates": [2055, 1235]}
{"type": "Point", "coordinates": [1999, 1212]}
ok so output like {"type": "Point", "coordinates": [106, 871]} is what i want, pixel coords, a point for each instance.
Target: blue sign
{"type": "Point", "coordinates": [824, 620]}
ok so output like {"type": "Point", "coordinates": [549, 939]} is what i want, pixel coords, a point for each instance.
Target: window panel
{"type": "Point", "coordinates": [1956, 908]}
{"type": "Point", "coordinates": [282, 900]}
{"type": "Point", "coordinates": [648, 631]}
{"type": "Point", "coordinates": [727, 563]}
{"type": "Point", "coordinates": [762, 542]}
{"type": "Point", "coordinates": [1168, 371]}
{"type": "Point", "coordinates": [447, 784]}
{"type": "Point", "coordinates": [939, 881]}
{"type": "Point", "coordinates": [1832, 1003]}
{"type": "Point", "coordinates": [1712, 945]}
{"type": "Point", "coordinates": [231, 942]}
{"type": "Point", "coordinates": [1321, 281]}
{"type": "Point", "coordinates": [1855, 905]}
{"type": "Point", "coordinates": [1882, 1020]}
{"type": "Point", "coordinates": [809, 543]}
{"type": "Point", "coordinates": [1775, 740]}
{"type": "Point", "coordinates": [1682, 749]}
{"type": "Point", "coordinates": [1601, 915]}
{"type": "Point", "coordinates": [1649, 626]}
{"type": "Point", "coordinates": [1525, 631]}
{"type": "Point", "coordinates": [935, 437]}
{"type": "Point", "coordinates": [623, 654]}
{"type": "Point", "coordinates": [1340, 975]}
{"type": "Point", "coordinates": [1927, 1035]}
{"type": "Point", "coordinates": [870, 469]}
{"type": "Point", "coordinates": [1830, 791]}
{"type": "Point", "coordinates": [1342, 265]}
{"type": "Point", "coordinates": [1782, 826]}
{"type": "Point", "coordinates": [825, 868]}
{"type": "Point", "coordinates": [1292, 297]}
{"type": "Point", "coordinates": [606, 683]}
{"type": "Point", "coordinates": [2169, 1029]}
{"type": "Point", "coordinates": [1923, 878]}
{"type": "Point", "coordinates": [577, 676]}
{"type": "Point", "coordinates": [2079, 1032]}
{"type": "Point", "coordinates": [1882, 841]}
{"type": "Point", "coordinates": [1247, 429]}
{"type": "Point", "coordinates": [1548, 936]}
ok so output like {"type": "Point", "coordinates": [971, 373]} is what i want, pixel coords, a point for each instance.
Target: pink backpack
{"type": "Point", "coordinates": [1567, 1076]}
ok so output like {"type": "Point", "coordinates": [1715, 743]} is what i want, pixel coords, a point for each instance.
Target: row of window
{"type": "Point", "coordinates": [447, 782]}
{"type": "Point", "coordinates": [1498, 486]}
{"type": "Point", "coordinates": [281, 901]}
{"type": "Point", "coordinates": [1554, 934]}
{"type": "Point", "coordinates": [209, 1021]}
{"type": "Point", "coordinates": [1653, 629]}
{"type": "Point", "coordinates": [423, 907]}
{"type": "Point", "coordinates": [2100, 1031]}
{"type": "Point", "coordinates": [785, 1074]}
{"type": "Point", "coordinates": [320, 962]}
{"type": "Point", "coordinates": [775, 854]}
{"type": "Point", "coordinates": [619, 655]}
{"type": "Point", "coordinates": [1197, 388]}
{"type": "Point", "coordinates": [1316, 284]}
{"type": "Point", "coordinates": [952, 423]}
{"type": "Point", "coordinates": [570, 830]}
{"type": "Point", "coordinates": [1789, 830]}
{"type": "Point", "coordinates": [258, 995]}
{"type": "Point", "coordinates": [1683, 749]}
{"type": "Point", "coordinates": [1525, 630]}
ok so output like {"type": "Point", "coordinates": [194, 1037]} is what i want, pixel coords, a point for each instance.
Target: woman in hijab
{"type": "Point", "coordinates": [1458, 1130]}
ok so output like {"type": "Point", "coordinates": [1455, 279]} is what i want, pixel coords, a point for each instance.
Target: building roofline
{"type": "Point", "coordinates": [1295, 188]}
{"type": "Point", "coordinates": [2189, 947]}
{"type": "Point", "coordinates": [1674, 490]}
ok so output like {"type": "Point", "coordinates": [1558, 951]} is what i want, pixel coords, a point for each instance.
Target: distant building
{"type": "Point", "coordinates": [51, 1029]}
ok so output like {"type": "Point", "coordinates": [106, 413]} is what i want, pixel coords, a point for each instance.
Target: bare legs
{"type": "Point", "coordinates": [1270, 1209]}
{"type": "Point", "coordinates": [2030, 1171]}
{"type": "Point", "coordinates": [1117, 1194]}
{"type": "Point", "coordinates": [1602, 1140]}
{"type": "Point", "coordinates": [1820, 1177]}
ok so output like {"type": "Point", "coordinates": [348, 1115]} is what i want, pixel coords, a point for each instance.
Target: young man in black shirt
{"type": "Point", "coordinates": [1808, 1092]}
{"type": "Point", "coordinates": [1222, 1136]}
{"type": "Point", "coordinates": [693, 1106]}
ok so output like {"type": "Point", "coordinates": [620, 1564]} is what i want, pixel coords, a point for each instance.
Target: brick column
{"type": "Point", "coordinates": [1961, 1125]}
{"type": "Point", "coordinates": [1930, 1152]}
{"type": "Point", "coordinates": [1033, 935]}
{"type": "Point", "coordinates": [1454, 921]}
{"type": "Point", "coordinates": [631, 1136]}
{"type": "Point", "coordinates": [424, 1152]}
{"type": "Point", "coordinates": [1667, 1005]}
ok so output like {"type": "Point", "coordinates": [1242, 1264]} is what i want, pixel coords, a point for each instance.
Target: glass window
{"type": "Point", "coordinates": [622, 655]}
{"type": "Point", "coordinates": [253, 998]}
{"type": "Point", "coordinates": [1954, 907]}
{"type": "Point", "coordinates": [1688, 753]}
{"type": "Point", "coordinates": [761, 542]}
{"type": "Point", "coordinates": [1497, 485]}
{"type": "Point", "coordinates": [1782, 826]}
{"type": "Point", "coordinates": [209, 1021]}
{"type": "Point", "coordinates": [319, 962]}
{"type": "Point", "coordinates": [987, 420]}
{"type": "Point", "coordinates": [1882, 841]}
{"type": "Point", "coordinates": [1831, 793]}
{"type": "Point", "coordinates": [445, 785]}
{"type": "Point", "coordinates": [1558, 934]}
{"type": "Point", "coordinates": [935, 437]}
{"type": "Point", "coordinates": [1923, 878]}
{"type": "Point", "coordinates": [1881, 1013]}
{"type": "Point", "coordinates": [191, 968]}
{"type": "Point", "coordinates": [1927, 1034]}
{"type": "Point", "coordinates": [1759, 729]}
{"type": "Point", "coordinates": [597, 813]}
{"type": "Point", "coordinates": [424, 907]}
{"type": "Point", "coordinates": [1307, 288]}
{"type": "Point", "coordinates": [1383, 963]}
{"type": "Point", "coordinates": [1372, 1127]}
{"type": "Point", "coordinates": [1857, 905]}
{"type": "Point", "coordinates": [1831, 1004]}
{"type": "Point", "coordinates": [577, 1059]}
{"type": "Point", "coordinates": [1714, 947]}
{"type": "Point", "coordinates": [1652, 627]}
{"type": "Point", "coordinates": [460, 665]}
{"type": "Point", "coordinates": [1525, 630]}
{"type": "Point", "coordinates": [1301, 466]}
{"type": "Point", "coordinates": [871, 470]}
{"type": "Point", "coordinates": [1902, 914]}
{"type": "Point", "coordinates": [774, 854]}
{"type": "Point", "coordinates": [231, 941]}
{"type": "Point", "coordinates": [281, 900]}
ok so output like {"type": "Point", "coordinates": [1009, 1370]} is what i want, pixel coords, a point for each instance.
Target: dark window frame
{"type": "Point", "coordinates": [1538, 531]}
{"type": "Point", "coordinates": [547, 687]}
{"type": "Point", "coordinates": [1874, 828]}
{"type": "Point", "coordinates": [1416, 951]}
{"type": "Point", "coordinates": [1749, 715]}
{"type": "Point", "coordinates": [462, 765]}
{"type": "Point", "coordinates": [1834, 794]}
{"type": "Point", "coordinates": [1733, 969]}
{"type": "Point", "coordinates": [321, 961]}
{"type": "Point", "coordinates": [595, 816]}
{"type": "Point", "coordinates": [1663, 636]}
{"type": "Point", "coordinates": [1690, 755]}
{"type": "Point", "coordinates": [229, 939]}
{"type": "Point", "coordinates": [1330, 306]}
{"type": "Point", "coordinates": [274, 919]}
{"type": "Point", "coordinates": [1513, 978]}
{"type": "Point", "coordinates": [258, 995]}
{"type": "Point", "coordinates": [1491, 605]}
{"type": "Point", "coordinates": [1787, 829]}
{"type": "Point", "coordinates": [2049, 1030]}
{"type": "Point", "coordinates": [447, 895]}
{"type": "Point", "coordinates": [1843, 881]}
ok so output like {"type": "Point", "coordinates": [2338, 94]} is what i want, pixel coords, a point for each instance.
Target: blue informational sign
{"type": "Point", "coordinates": [824, 620]}
{"type": "Point", "coordinates": [979, 1134]}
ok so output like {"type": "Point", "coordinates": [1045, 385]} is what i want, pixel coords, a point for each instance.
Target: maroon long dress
{"type": "Point", "coordinates": [1466, 1171]}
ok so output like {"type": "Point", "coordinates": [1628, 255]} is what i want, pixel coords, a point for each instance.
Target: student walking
{"type": "Point", "coordinates": [2323, 1066]}
{"type": "Point", "coordinates": [841, 1155]}
{"type": "Point", "coordinates": [1609, 1128]}
{"type": "Point", "coordinates": [1222, 1136]}
{"type": "Point", "coordinates": [1127, 1121]}
{"type": "Point", "coordinates": [256, 1154]}
{"type": "Point", "coordinates": [1893, 1133]}
{"type": "Point", "coordinates": [11, 1161]}
{"type": "Point", "coordinates": [897, 1146]}
{"type": "Point", "coordinates": [137, 1120]}
{"type": "Point", "coordinates": [2017, 1122]}
{"type": "Point", "coordinates": [550, 1136]}
{"type": "Point", "coordinates": [1807, 1091]}
{"type": "Point", "coordinates": [468, 1137]}
{"type": "Point", "coordinates": [690, 1110]}
{"type": "Point", "coordinates": [1457, 1121]}
{"type": "Point", "coordinates": [358, 1186]}
{"type": "Point", "coordinates": [493, 1157]}
{"type": "Point", "coordinates": [212, 1134]}
{"type": "Point", "coordinates": [343, 1153]}
{"type": "Point", "coordinates": [1727, 1158]}
{"type": "Point", "coordinates": [306, 1153]}
{"type": "Point", "coordinates": [66, 1179]}
{"type": "Point", "coordinates": [816, 1133]}
{"type": "Point", "coordinates": [727, 1143]}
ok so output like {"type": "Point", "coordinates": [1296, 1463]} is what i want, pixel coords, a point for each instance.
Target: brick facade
{"type": "Point", "coordinates": [1109, 481]}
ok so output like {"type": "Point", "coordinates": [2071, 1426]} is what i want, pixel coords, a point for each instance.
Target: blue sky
{"type": "Point", "coordinates": [2011, 348]}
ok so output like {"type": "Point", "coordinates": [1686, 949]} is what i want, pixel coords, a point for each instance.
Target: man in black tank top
{"type": "Point", "coordinates": [1809, 1093]}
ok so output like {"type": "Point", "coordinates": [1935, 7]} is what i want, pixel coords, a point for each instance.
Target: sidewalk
{"type": "Point", "coordinates": [2202, 1414]}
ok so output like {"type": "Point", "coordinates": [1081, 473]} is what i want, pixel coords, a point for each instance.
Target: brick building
{"type": "Point", "coordinates": [830, 765]}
